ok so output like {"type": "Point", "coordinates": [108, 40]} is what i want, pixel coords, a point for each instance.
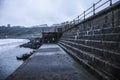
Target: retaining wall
{"type": "Point", "coordinates": [95, 42]}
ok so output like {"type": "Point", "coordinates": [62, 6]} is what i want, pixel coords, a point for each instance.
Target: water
{"type": "Point", "coordinates": [9, 49]}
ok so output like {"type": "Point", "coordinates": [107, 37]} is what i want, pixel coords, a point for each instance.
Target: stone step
{"type": "Point", "coordinates": [109, 45]}
{"type": "Point", "coordinates": [99, 31]}
{"type": "Point", "coordinates": [103, 37]}
{"type": "Point", "coordinates": [105, 67]}
{"type": "Point", "coordinates": [103, 54]}
{"type": "Point", "coordinates": [93, 70]}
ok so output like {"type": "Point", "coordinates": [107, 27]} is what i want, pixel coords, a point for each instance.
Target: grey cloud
{"type": "Point", "coordinates": [34, 12]}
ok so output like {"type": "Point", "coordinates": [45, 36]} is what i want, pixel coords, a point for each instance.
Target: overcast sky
{"type": "Point", "coordinates": [36, 12]}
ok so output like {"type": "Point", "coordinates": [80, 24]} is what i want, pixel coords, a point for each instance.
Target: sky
{"type": "Point", "coordinates": [36, 12]}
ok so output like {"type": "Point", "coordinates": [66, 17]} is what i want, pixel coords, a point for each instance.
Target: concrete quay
{"type": "Point", "coordinates": [51, 62]}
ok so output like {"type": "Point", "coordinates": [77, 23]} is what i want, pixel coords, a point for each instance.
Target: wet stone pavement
{"type": "Point", "coordinates": [50, 62]}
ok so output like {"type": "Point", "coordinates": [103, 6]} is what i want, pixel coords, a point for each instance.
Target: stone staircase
{"type": "Point", "coordinates": [97, 48]}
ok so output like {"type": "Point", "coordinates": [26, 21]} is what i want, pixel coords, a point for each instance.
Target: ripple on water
{"type": "Point", "coordinates": [8, 51]}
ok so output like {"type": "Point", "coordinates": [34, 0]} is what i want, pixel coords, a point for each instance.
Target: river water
{"type": "Point", "coordinates": [9, 49]}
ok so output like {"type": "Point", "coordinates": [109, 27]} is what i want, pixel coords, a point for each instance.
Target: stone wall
{"type": "Point", "coordinates": [51, 37]}
{"type": "Point", "coordinates": [95, 42]}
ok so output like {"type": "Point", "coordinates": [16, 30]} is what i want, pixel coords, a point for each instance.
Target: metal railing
{"type": "Point", "coordinates": [87, 13]}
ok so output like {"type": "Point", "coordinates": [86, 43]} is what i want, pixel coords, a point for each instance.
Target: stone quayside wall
{"type": "Point", "coordinates": [95, 42]}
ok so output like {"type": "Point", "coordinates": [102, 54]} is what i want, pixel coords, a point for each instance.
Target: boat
{"type": "Point", "coordinates": [23, 57]}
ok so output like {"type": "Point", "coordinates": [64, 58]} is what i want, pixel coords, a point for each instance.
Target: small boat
{"type": "Point", "coordinates": [19, 58]}
{"type": "Point", "coordinates": [23, 57]}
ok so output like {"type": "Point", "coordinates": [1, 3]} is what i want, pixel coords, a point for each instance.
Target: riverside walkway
{"type": "Point", "coordinates": [51, 62]}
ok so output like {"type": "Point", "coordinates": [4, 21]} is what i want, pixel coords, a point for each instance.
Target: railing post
{"type": "Point", "coordinates": [112, 14]}
{"type": "Point", "coordinates": [94, 9]}
{"type": "Point", "coordinates": [84, 15]}
{"type": "Point", "coordinates": [78, 19]}
{"type": "Point", "coordinates": [110, 2]}
{"type": "Point", "coordinates": [74, 21]}
{"type": "Point", "coordinates": [71, 23]}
